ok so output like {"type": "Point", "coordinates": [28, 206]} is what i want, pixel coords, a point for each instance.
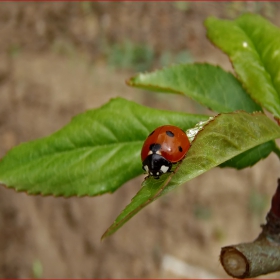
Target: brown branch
{"type": "Point", "coordinates": [261, 256]}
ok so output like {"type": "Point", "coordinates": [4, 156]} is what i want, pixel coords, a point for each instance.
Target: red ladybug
{"type": "Point", "coordinates": [166, 145]}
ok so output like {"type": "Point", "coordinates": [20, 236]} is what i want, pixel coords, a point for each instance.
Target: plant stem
{"type": "Point", "coordinates": [261, 256]}
{"type": "Point", "coordinates": [276, 150]}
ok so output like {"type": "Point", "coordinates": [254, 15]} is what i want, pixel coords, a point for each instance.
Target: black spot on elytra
{"type": "Point", "coordinates": [180, 149]}
{"type": "Point", "coordinates": [169, 133]}
{"type": "Point", "coordinates": [151, 133]}
{"type": "Point", "coordinates": [155, 147]}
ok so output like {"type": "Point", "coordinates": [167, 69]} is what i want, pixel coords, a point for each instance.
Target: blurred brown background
{"type": "Point", "coordinates": [60, 59]}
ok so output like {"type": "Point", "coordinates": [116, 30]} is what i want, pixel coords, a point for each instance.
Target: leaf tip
{"type": "Point", "coordinates": [109, 231]}
{"type": "Point", "coordinates": [104, 235]}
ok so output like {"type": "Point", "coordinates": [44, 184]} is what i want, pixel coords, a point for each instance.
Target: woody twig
{"type": "Point", "coordinates": [261, 256]}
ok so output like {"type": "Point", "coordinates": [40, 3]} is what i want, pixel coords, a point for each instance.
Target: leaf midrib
{"type": "Point", "coordinates": [45, 156]}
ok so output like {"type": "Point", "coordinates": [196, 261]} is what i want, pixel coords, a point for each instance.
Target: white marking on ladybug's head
{"type": "Point", "coordinates": [151, 173]}
{"type": "Point", "coordinates": [157, 173]}
{"type": "Point", "coordinates": [158, 152]}
{"type": "Point", "coordinates": [146, 168]}
{"type": "Point", "coordinates": [164, 168]}
{"type": "Point", "coordinates": [150, 152]}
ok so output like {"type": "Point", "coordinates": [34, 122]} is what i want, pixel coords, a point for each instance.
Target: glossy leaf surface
{"type": "Point", "coordinates": [227, 136]}
{"type": "Point", "coordinates": [95, 153]}
{"type": "Point", "coordinates": [209, 85]}
{"type": "Point", "coordinates": [253, 45]}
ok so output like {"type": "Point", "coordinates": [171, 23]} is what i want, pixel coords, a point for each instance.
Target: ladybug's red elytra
{"type": "Point", "coordinates": [164, 146]}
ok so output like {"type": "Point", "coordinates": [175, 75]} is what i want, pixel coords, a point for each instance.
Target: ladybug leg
{"type": "Point", "coordinates": [169, 170]}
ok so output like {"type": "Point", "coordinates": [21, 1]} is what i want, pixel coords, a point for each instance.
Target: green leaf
{"type": "Point", "coordinates": [227, 136]}
{"type": "Point", "coordinates": [253, 44]}
{"type": "Point", "coordinates": [207, 84]}
{"type": "Point", "coordinates": [95, 153]}
{"type": "Point", "coordinates": [250, 157]}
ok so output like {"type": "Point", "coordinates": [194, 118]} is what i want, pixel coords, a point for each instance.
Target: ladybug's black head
{"type": "Point", "coordinates": [156, 165]}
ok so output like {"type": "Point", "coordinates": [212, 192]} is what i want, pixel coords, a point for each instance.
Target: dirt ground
{"type": "Point", "coordinates": [54, 65]}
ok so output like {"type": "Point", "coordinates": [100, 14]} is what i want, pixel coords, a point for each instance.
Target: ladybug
{"type": "Point", "coordinates": [164, 146]}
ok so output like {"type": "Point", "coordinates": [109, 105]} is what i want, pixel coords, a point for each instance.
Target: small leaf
{"type": "Point", "coordinates": [207, 84]}
{"type": "Point", "coordinates": [95, 153]}
{"type": "Point", "coordinates": [252, 44]}
{"type": "Point", "coordinates": [227, 136]}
